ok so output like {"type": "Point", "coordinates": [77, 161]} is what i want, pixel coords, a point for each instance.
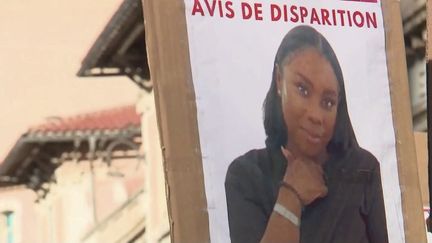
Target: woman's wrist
{"type": "Point", "coordinates": [290, 200]}
{"type": "Point", "coordinates": [289, 187]}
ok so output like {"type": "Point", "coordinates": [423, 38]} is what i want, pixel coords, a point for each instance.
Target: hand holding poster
{"type": "Point", "coordinates": [295, 121]}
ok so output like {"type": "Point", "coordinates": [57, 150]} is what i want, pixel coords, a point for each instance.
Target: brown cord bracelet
{"type": "Point", "coordinates": [291, 188]}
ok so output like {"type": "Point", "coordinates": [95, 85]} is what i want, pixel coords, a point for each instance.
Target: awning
{"type": "Point", "coordinates": [120, 49]}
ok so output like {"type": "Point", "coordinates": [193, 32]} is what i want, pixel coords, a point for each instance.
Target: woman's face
{"type": "Point", "coordinates": [309, 92]}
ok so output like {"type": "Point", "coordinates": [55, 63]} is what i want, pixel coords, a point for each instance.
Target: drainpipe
{"type": "Point", "coordinates": [92, 155]}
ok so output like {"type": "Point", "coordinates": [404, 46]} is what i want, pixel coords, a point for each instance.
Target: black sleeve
{"type": "Point", "coordinates": [376, 219]}
{"type": "Point", "coordinates": [246, 212]}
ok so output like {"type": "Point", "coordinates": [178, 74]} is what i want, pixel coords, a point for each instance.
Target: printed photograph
{"type": "Point", "coordinates": [312, 182]}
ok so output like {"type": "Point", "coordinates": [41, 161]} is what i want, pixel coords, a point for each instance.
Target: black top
{"type": "Point", "coordinates": [352, 211]}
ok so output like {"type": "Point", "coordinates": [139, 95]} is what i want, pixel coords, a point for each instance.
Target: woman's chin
{"type": "Point", "coordinates": [313, 152]}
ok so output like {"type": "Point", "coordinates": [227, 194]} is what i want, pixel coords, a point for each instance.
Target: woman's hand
{"type": "Point", "coordinates": [305, 176]}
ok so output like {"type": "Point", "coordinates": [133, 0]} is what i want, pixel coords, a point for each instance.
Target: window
{"type": "Point", "coordinates": [7, 227]}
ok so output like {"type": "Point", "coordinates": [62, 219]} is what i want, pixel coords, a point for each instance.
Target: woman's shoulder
{"type": "Point", "coordinates": [364, 159]}
{"type": "Point", "coordinates": [250, 163]}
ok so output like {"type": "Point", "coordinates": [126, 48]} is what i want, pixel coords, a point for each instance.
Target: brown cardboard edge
{"type": "Point", "coordinates": [170, 69]}
{"type": "Point", "coordinates": [414, 226]}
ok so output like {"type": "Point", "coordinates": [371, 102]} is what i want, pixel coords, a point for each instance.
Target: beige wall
{"type": "Point", "coordinates": [124, 224]}
{"type": "Point", "coordinates": [66, 214]}
{"type": "Point", "coordinates": [151, 204]}
{"type": "Point", "coordinates": [157, 215]}
{"type": "Point", "coordinates": [20, 201]}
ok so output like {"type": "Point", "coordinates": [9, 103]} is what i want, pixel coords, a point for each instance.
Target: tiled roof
{"type": "Point", "coordinates": [112, 119]}
{"type": "Point", "coordinates": [118, 126]}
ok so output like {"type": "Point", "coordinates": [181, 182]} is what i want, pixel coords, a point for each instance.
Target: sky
{"type": "Point", "coordinates": [42, 44]}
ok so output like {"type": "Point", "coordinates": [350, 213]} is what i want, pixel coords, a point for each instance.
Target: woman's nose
{"type": "Point", "coordinates": [314, 114]}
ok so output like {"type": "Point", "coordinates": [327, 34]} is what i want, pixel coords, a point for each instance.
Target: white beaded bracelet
{"type": "Point", "coordinates": [284, 212]}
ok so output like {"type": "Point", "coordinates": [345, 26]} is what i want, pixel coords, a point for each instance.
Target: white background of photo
{"type": "Point", "coordinates": [232, 62]}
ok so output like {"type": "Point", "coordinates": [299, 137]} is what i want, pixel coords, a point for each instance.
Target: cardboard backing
{"type": "Point", "coordinates": [402, 119]}
{"type": "Point", "coordinates": [168, 55]}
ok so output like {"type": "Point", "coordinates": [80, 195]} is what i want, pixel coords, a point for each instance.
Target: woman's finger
{"type": "Point", "coordinates": [287, 154]}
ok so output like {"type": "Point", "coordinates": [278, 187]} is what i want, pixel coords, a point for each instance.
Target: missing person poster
{"type": "Point", "coordinates": [295, 120]}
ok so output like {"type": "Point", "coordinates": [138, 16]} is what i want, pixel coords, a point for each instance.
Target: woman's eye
{"type": "Point", "coordinates": [328, 104]}
{"type": "Point", "coordinates": [303, 90]}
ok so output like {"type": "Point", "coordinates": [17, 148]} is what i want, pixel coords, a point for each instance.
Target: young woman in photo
{"type": "Point", "coordinates": [312, 183]}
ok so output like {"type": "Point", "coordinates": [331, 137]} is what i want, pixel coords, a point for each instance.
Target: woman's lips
{"type": "Point", "coordinates": [312, 137]}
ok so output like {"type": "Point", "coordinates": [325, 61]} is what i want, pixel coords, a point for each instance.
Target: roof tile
{"type": "Point", "coordinates": [116, 118]}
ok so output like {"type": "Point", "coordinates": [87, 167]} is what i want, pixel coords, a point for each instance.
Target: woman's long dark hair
{"type": "Point", "coordinates": [298, 39]}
